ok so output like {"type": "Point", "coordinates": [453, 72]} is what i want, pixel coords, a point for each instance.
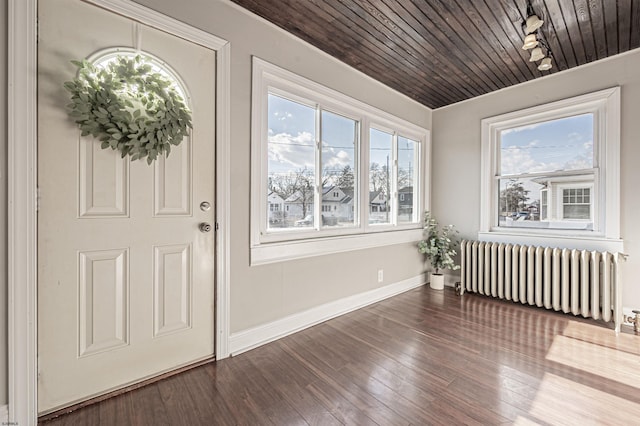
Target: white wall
{"type": "Point", "coordinates": [262, 294]}
{"type": "Point", "coordinates": [3, 204]}
{"type": "Point", "coordinates": [456, 148]}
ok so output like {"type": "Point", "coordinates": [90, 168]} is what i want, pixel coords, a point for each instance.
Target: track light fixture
{"type": "Point", "coordinates": [534, 39]}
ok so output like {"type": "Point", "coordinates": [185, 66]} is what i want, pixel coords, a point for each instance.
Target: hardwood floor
{"type": "Point", "coordinates": [423, 357]}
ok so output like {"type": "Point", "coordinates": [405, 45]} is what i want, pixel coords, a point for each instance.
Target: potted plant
{"type": "Point", "coordinates": [439, 247]}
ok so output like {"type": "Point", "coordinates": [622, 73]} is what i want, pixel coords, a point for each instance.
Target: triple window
{"type": "Point", "coordinates": [332, 165]}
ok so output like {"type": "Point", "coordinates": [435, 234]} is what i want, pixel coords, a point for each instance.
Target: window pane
{"type": "Point", "coordinates": [577, 211]}
{"type": "Point", "coordinates": [380, 158]}
{"type": "Point", "coordinates": [339, 178]}
{"type": "Point", "coordinates": [579, 206]}
{"type": "Point", "coordinates": [520, 203]}
{"type": "Point", "coordinates": [291, 162]}
{"type": "Point", "coordinates": [542, 202]}
{"type": "Point", "coordinates": [564, 144]}
{"type": "Point", "coordinates": [407, 160]}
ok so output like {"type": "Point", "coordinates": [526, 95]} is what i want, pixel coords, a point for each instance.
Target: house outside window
{"type": "Point", "coordinates": [338, 165]}
{"type": "Point", "coordinates": [553, 170]}
{"type": "Point", "coordinates": [392, 159]}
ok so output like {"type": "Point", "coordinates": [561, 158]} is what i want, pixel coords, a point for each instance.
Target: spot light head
{"type": "Point", "coordinates": [530, 42]}
{"type": "Point", "coordinates": [545, 65]}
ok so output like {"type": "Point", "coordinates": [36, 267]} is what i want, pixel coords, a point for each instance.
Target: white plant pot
{"type": "Point", "coordinates": [437, 281]}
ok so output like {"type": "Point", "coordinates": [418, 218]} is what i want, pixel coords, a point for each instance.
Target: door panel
{"type": "Point", "coordinates": [103, 183]}
{"type": "Point", "coordinates": [125, 276]}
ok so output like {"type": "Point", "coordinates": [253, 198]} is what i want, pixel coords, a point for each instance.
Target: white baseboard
{"type": "Point", "coordinates": [257, 336]}
{"type": "Point", "coordinates": [4, 414]}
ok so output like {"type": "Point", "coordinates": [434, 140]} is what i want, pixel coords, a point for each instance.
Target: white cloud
{"type": "Point", "coordinates": [516, 159]}
{"type": "Point", "coordinates": [282, 115]}
{"type": "Point", "coordinates": [336, 160]}
{"type": "Point", "coordinates": [293, 152]}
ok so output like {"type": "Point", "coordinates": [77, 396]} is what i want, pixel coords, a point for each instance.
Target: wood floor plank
{"type": "Point", "coordinates": [276, 364]}
{"type": "Point", "coordinates": [337, 381]}
{"type": "Point", "coordinates": [174, 392]}
{"type": "Point", "coordinates": [147, 407]}
{"type": "Point", "coordinates": [422, 357]}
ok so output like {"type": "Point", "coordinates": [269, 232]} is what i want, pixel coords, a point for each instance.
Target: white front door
{"type": "Point", "coordinates": [125, 275]}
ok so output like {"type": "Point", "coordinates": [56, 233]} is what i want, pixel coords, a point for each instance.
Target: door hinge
{"type": "Point", "coordinates": [217, 226]}
{"type": "Point", "coordinates": [37, 198]}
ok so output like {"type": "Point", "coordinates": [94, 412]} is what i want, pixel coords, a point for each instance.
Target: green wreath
{"type": "Point", "coordinates": [128, 107]}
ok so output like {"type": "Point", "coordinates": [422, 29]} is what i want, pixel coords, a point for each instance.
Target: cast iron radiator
{"type": "Point", "coordinates": [580, 282]}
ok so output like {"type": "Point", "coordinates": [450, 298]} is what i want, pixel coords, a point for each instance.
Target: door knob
{"type": "Point", "coordinates": [204, 227]}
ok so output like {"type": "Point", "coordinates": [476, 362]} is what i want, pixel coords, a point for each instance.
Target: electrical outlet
{"type": "Point", "coordinates": [380, 275]}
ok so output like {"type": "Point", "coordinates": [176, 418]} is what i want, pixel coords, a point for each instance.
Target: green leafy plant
{"type": "Point", "coordinates": [438, 246]}
{"type": "Point", "coordinates": [128, 107]}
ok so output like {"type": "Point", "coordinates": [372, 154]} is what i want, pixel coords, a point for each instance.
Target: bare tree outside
{"type": "Point", "coordinates": [514, 197]}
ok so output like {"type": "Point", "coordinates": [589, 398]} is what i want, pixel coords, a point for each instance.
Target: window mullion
{"type": "Point", "coordinates": [357, 175]}
{"type": "Point", "coordinates": [364, 172]}
{"type": "Point", "coordinates": [394, 180]}
{"type": "Point", "coordinates": [317, 196]}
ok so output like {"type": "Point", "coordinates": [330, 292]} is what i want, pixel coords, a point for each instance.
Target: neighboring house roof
{"type": "Point", "coordinates": [274, 197]}
{"type": "Point", "coordinates": [344, 195]}
{"type": "Point", "coordinates": [549, 180]}
{"type": "Point", "coordinates": [326, 189]}
{"type": "Point", "coordinates": [347, 199]}
{"type": "Point", "coordinates": [296, 197]}
{"type": "Point", "coordinates": [376, 196]}
{"type": "Point", "coordinates": [348, 192]}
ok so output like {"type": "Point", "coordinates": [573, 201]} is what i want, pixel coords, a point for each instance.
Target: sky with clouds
{"type": "Point", "coordinates": [564, 144]}
{"type": "Point", "coordinates": [292, 132]}
{"type": "Point", "coordinates": [292, 138]}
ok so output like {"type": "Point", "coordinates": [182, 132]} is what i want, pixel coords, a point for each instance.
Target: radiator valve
{"type": "Point", "coordinates": [635, 320]}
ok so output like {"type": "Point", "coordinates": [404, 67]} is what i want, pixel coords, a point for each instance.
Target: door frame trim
{"type": "Point", "coordinates": [22, 193]}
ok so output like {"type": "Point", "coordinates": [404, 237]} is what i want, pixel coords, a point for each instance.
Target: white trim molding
{"type": "Point", "coordinates": [252, 338]}
{"type": "Point", "coordinates": [21, 211]}
{"type": "Point", "coordinates": [22, 192]}
{"type": "Point", "coordinates": [300, 249]}
{"type": "Point", "coordinates": [605, 174]}
{"type": "Point", "coordinates": [223, 200]}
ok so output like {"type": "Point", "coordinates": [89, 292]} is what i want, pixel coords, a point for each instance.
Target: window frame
{"type": "Point", "coordinates": [291, 243]}
{"type": "Point", "coordinates": [605, 193]}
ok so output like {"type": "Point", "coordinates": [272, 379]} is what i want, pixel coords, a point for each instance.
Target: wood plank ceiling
{"type": "Point", "coordinates": [439, 52]}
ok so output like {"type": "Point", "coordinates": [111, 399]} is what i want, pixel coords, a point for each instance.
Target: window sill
{"type": "Point", "coordinates": [581, 242]}
{"type": "Point", "coordinates": [289, 250]}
